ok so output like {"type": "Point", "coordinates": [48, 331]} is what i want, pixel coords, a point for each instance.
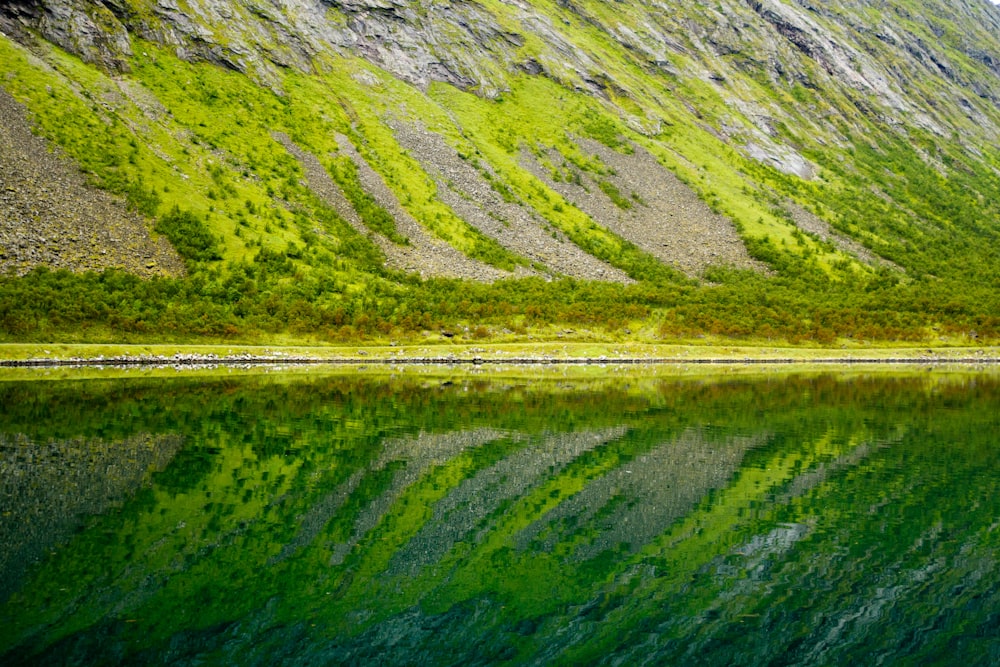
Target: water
{"type": "Point", "coordinates": [367, 519]}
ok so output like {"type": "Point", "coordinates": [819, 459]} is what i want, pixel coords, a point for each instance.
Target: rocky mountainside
{"type": "Point", "coordinates": [49, 216]}
{"type": "Point", "coordinates": [621, 141]}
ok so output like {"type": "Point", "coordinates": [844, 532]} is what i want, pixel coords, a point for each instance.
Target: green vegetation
{"type": "Point", "coordinates": [189, 235]}
{"type": "Point", "coordinates": [195, 148]}
{"type": "Point", "coordinates": [615, 195]}
{"type": "Point", "coordinates": [259, 301]}
{"type": "Point", "coordinates": [345, 173]}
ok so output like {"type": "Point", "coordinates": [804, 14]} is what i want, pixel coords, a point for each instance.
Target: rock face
{"type": "Point", "coordinates": [454, 42]}
{"type": "Point", "coordinates": [91, 30]}
{"type": "Point", "coordinates": [878, 53]}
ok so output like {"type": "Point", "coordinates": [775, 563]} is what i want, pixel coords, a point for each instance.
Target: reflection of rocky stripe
{"type": "Point", "coordinates": [467, 511]}
{"type": "Point", "coordinates": [419, 453]}
{"type": "Point", "coordinates": [312, 522]}
{"type": "Point", "coordinates": [47, 488]}
{"type": "Point", "coordinates": [638, 501]}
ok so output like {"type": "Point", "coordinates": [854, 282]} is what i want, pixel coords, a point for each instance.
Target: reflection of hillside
{"type": "Point", "coordinates": [462, 511]}
{"type": "Point", "coordinates": [419, 453]}
{"type": "Point", "coordinates": [465, 513]}
{"type": "Point", "coordinates": [47, 489]}
{"type": "Point", "coordinates": [636, 502]}
{"type": "Point", "coordinates": [353, 523]}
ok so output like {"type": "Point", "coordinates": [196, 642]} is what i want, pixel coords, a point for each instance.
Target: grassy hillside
{"type": "Point", "coordinates": [344, 201]}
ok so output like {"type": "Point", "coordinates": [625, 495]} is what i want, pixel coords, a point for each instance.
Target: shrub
{"type": "Point", "coordinates": [189, 235]}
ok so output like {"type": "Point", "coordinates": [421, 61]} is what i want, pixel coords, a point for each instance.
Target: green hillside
{"type": "Point", "coordinates": [341, 171]}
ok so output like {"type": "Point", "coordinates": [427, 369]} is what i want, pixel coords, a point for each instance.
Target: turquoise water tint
{"type": "Point", "coordinates": [366, 519]}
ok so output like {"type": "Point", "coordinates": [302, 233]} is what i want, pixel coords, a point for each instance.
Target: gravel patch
{"type": "Point", "coordinates": [517, 227]}
{"type": "Point", "coordinates": [50, 216]}
{"type": "Point", "coordinates": [667, 218]}
{"type": "Point", "coordinates": [425, 255]}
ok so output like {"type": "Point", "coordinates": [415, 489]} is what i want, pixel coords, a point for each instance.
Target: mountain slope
{"type": "Point", "coordinates": [744, 168]}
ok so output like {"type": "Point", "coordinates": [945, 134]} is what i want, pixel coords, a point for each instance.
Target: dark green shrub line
{"type": "Point", "coordinates": [270, 296]}
{"type": "Point", "coordinates": [190, 235]}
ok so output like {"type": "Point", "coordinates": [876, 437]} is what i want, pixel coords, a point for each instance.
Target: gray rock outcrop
{"type": "Point", "coordinates": [50, 216]}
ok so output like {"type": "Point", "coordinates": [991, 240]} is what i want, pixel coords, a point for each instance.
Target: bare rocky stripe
{"type": "Point", "coordinates": [50, 216]}
{"type": "Point", "coordinates": [666, 218]}
{"type": "Point", "coordinates": [514, 225]}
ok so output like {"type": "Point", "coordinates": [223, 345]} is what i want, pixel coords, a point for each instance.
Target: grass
{"type": "Point", "coordinates": [601, 352]}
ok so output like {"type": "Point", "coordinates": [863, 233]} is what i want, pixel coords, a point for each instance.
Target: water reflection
{"type": "Point", "coordinates": [49, 488]}
{"type": "Point", "coordinates": [374, 520]}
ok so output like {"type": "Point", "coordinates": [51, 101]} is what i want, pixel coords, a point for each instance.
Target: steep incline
{"type": "Point", "coordinates": [50, 216]}
{"type": "Point", "coordinates": [614, 141]}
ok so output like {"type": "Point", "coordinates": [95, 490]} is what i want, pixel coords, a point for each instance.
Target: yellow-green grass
{"type": "Point", "coordinates": [635, 378]}
{"type": "Point", "coordinates": [539, 351]}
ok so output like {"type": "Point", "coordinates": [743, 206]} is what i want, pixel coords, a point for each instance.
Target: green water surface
{"type": "Point", "coordinates": [370, 519]}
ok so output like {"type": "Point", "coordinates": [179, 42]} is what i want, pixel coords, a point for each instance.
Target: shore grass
{"type": "Point", "coordinates": [551, 351]}
{"type": "Point", "coordinates": [573, 367]}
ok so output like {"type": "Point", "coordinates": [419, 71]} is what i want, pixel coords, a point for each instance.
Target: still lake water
{"type": "Point", "coordinates": [422, 519]}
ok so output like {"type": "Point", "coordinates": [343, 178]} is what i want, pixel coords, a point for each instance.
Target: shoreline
{"type": "Point", "coordinates": [392, 357]}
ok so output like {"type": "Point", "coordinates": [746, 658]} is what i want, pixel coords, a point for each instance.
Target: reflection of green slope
{"type": "Point", "coordinates": [48, 489]}
{"type": "Point", "coordinates": [228, 518]}
{"type": "Point", "coordinates": [731, 517]}
{"type": "Point", "coordinates": [332, 519]}
{"type": "Point", "coordinates": [633, 504]}
{"type": "Point", "coordinates": [921, 543]}
{"type": "Point", "coordinates": [535, 581]}
{"type": "Point", "coordinates": [472, 511]}
{"type": "Point", "coordinates": [140, 554]}
{"type": "Point", "coordinates": [720, 590]}
{"type": "Point", "coordinates": [402, 523]}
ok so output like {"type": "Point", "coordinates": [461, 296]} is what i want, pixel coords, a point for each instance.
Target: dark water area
{"type": "Point", "coordinates": [354, 519]}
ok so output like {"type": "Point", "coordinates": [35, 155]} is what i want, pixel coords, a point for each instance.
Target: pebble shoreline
{"type": "Point", "coordinates": [191, 360]}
